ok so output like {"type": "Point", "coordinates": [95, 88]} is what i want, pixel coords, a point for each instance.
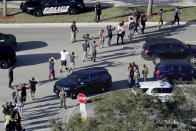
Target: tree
{"type": "Point", "coordinates": [4, 8]}
{"type": "Point", "coordinates": [149, 11]}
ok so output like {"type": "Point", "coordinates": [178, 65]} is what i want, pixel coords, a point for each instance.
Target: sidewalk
{"type": "Point", "coordinates": [64, 25]}
{"type": "Point", "coordinates": [112, 3]}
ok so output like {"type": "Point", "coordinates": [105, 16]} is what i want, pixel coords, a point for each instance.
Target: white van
{"type": "Point", "coordinates": [162, 89]}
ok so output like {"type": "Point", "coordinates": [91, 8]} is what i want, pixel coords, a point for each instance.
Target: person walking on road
{"type": "Point", "coordinates": [74, 29]}
{"type": "Point", "coordinates": [98, 11]}
{"type": "Point", "coordinates": [102, 38]}
{"type": "Point", "coordinates": [145, 72]}
{"type": "Point", "coordinates": [136, 15]}
{"type": "Point", "coordinates": [51, 68]}
{"type": "Point", "coordinates": [131, 26]}
{"type": "Point", "coordinates": [131, 80]}
{"type": "Point", "coordinates": [63, 60]}
{"type": "Point", "coordinates": [176, 15]}
{"type": "Point", "coordinates": [33, 84]}
{"type": "Point", "coordinates": [143, 22]}
{"type": "Point", "coordinates": [11, 78]}
{"type": "Point", "coordinates": [94, 51]}
{"type": "Point", "coordinates": [110, 29]}
{"type": "Point", "coordinates": [23, 92]}
{"type": "Point", "coordinates": [72, 62]}
{"type": "Point", "coordinates": [160, 15]}
{"type": "Point", "coordinates": [63, 96]}
{"type": "Point", "coordinates": [120, 32]}
{"type": "Point", "coordinates": [85, 48]}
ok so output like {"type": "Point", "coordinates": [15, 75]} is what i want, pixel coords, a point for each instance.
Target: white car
{"type": "Point", "coordinates": [162, 89]}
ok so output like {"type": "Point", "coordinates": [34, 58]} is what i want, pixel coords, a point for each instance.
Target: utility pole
{"type": "Point", "coordinates": [4, 8]}
{"type": "Point", "coordinates": [149, 11]}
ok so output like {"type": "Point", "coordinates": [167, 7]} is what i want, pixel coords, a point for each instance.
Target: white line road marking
{"type": "Point", "coordinates": [69, 113]}
{"type": "Point", "coordinates": [62, 114]}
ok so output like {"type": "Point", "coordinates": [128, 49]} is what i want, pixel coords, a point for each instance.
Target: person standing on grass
{"type": "Point", "coordinates": [63, 96]}
{"type": "Point", "coordinates": [51, 68]}
{"type": "Point", "coordinates": [11, 78]}
{"type": "Point", "coordinates": [143, 22]}
{"type": "Point", "coordinates": [74, 29]}
{"type": "Point", "coordinates": [160, 15]}
{"type": "Point", "coordinates": [101, 38]}
{"type": "Point", "coordinates": [72, 62]}
{"type": "Point", "coordinates": [176, 15]}
{"type": "Point", "coordinates": [33, 84]}
{"type": "Point", "coordinates": [145, 72]}
{"type": "Point", "coordinates": [63, 60]}
{"type": "Point", "coordinates": [110, 29]}
{"type": "Point", "coordinates": [98, 11]}
{"type": "Point", "coordinates": [136, 15]}
{"type": "Point", "coordinates": [94, 51]}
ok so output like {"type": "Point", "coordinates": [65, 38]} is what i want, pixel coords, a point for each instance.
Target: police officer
{"type": "Point", "coordinates": [145, 72]}
{"type": "Point", "coordinates": [98, 11]}
{"type": "Point", "coordinates": [63, 96]}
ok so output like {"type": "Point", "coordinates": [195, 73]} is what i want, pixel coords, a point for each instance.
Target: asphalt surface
{"type": "Point", "coordinates": [37, 45]}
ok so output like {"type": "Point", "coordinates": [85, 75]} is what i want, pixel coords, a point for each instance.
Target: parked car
{"type": "Point", "coordinates": [162, 89]}
{"type": "Point", "coordinates": [8, 39]}
{"type": "Point", "coordinates": [87, 81]}
{"type": "Point", "coordinates": [45, 7]}
{"type": "Point", "coordinates": [168, 48]}
{"type": "Point", "coordinates": [7, 56]}
{"type": "Point", "coordinates": [171, 70]}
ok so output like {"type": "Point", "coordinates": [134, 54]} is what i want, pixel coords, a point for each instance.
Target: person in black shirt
{"type": "Point", "coordinates": [110, 29]}
{"type": "Point", "coordinates": [33, 84]}
{"type": "Point", "coordinates": [10, 73]}
{"type": "Point", "coordinates": [98, 11]}
{"type": "Point", "coordinates": [136, 15]}
{"type": "Point", "coordinates": [74, 29]}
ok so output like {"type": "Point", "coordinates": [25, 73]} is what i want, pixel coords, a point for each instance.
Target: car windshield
{"type": "Point", "coordinates": [74, 78]}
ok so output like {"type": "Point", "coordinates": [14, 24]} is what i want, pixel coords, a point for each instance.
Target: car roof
{"type": "Point", "coordinates": [155, 84]}
{"type": "Point", "coordinates": [162, 41]}
{"type": "Point", "coordinates": [90, 71]}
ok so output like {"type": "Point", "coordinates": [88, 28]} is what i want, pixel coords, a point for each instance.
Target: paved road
{"type": "Point", "coordinates": [37, 45]}
{"type": "Point", "coordinates": [111, 3]}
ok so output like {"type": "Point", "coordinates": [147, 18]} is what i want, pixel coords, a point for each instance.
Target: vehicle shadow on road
{"type": "Point", "coordinates": [34, 59]}
{"type": "Point", "coordinates": [30, 45]}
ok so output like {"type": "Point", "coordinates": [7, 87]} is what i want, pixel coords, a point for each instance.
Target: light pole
{"type": "Point", "coordinates": [4, 8]}
{"type": "Point", "coordinates": [149, 11]}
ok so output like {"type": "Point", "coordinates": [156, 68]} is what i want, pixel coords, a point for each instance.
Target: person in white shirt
{"type": "Point", "coordinates": [63, 60]}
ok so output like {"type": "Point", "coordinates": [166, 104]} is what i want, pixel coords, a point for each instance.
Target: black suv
{"type": "Point", "coordinates": [85, 81]}
{"type": "Point", "coordinates": [8, 39]}
{"type": "Point", "coordinates": [170, 70]}
{"type": "Point", "coordinates": [45, 7]}
{"type": "Point", "coordinates": [168, 48]}
{"type": "Point", "coordinates": [7, 56]}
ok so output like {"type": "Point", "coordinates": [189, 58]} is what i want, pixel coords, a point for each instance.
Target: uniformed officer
{"type": "Point", "coordinates": [145, 72]}
{"type": "Point", "coordinates": [98, 11]}
{"type": "Point", "coordinates": [63, 96]}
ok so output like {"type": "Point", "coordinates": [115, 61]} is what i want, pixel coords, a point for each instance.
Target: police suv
{"type": "Point", "coordinates": [45, 7]}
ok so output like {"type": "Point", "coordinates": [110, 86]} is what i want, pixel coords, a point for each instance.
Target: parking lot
{"type": "Point", "coordinates": [36, 46]}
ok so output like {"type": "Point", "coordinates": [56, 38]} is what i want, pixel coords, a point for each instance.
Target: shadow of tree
{"type": "Point", "coordinates": [30, 45]}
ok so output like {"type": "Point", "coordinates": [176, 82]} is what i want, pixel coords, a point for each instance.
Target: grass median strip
{"type": "Point", "coordinates": [113, 14]}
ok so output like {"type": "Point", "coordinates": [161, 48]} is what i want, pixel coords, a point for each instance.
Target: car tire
{"type": "Point", "coordinates": [72, 11]}
{"type": "Point", "coordinates": [4, 64]}
{"type": "Point", "coordinates": [37, 13]}
{"type": "Point", "coordinates": [73, 95]}
{"type": "Point", "coordinates": [192, 59]}
{"type": "Point", "coordinates": [157, 60]}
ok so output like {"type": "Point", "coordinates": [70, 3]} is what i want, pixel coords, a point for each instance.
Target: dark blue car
{"type": "Point", "coordinates": [87, 81]}
{"type": "Point", "coordinates": [45, 7]}
{"type": "Point", "coordinates": [170, 70]}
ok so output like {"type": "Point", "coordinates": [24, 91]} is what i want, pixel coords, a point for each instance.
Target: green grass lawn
{"type": "Point", "coordinates": [113, 14]}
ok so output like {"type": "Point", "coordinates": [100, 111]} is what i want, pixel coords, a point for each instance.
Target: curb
{"type": "Point", "coordinates": [64, 25]}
